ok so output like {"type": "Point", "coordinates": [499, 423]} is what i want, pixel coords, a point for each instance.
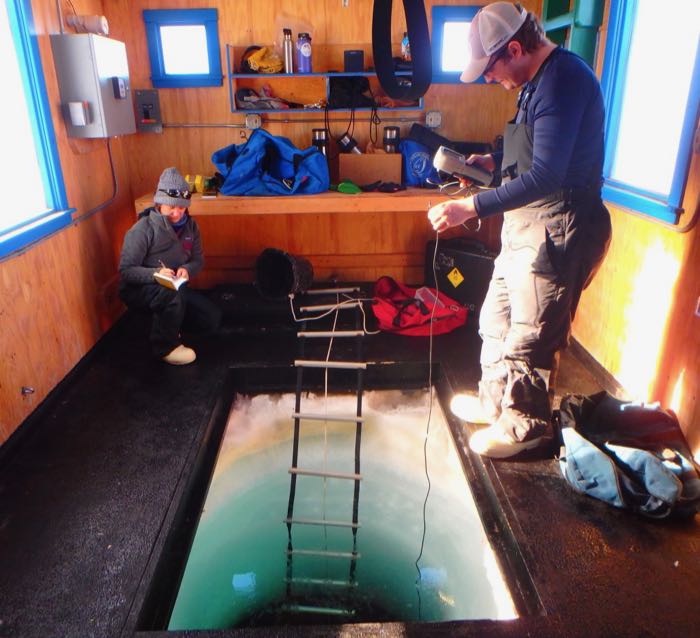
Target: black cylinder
{"type": "Point", "coordinates": [392, 135]}
{"type": "Point", "coordinates": [319, 139]}
{"type": "Point", "coordinates": [279, 274]}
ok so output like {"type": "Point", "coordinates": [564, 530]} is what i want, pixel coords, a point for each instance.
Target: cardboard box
{"type": "Point", "coordinates": [369, 168]}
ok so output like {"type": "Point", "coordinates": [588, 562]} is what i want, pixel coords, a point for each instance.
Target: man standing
{"type": "Point", "coordinates": [555, 232]}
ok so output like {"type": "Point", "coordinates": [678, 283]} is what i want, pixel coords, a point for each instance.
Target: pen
{"type": "Point", "coordinates": [162, 265]}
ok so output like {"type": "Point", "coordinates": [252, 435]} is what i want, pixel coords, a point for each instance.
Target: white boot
{"type": "Point", "coordinates": [180, 356]}
{"type": "Point", "coordinates": [468, 408]}
{"type": "Point", "coordinates": [497, 444]}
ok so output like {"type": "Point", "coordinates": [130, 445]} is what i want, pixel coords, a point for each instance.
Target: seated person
{"type": "Point", "coordinates": [166, 240]}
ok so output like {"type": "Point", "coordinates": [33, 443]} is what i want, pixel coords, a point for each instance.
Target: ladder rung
{"type": "Point", "coordinates": [349, 365]}
{"type": "Point", "coordinates": [338, 475]}
{"type": "Point", "coordinates": [325, 291]}
{"type": "Point", "coordinates": [328, 417]}
{"type": "Point", "coordinates": [319, 521]}
{"type": "Point", "coordinates": [329, 333]}
{"type": "Point", "coordinates": [331, 306]}
{"type": "Point", "coordinates": [322, 581]}
{"type": "Point", "coordinates": [323, 552]}
{"type": "Point", "coordinates": [331, 611]}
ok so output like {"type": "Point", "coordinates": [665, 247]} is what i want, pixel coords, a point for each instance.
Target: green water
{"type": "Point", "coordinates": [235, 574]}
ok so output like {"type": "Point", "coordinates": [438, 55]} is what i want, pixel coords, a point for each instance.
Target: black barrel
{"type": "Point", "coordinates": [279, 274]}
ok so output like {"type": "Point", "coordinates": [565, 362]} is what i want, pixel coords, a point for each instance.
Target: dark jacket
{"type": "Point", "coordinates": [152, 240]}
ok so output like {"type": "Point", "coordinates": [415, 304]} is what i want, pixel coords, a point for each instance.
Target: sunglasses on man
{"type": "Point", "coordinates": [501, 53]}
{"type": "Point", "coordinates": [174, 192]}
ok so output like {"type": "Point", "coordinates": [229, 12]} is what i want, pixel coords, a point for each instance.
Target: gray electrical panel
{"type": "Point", "coordinates": [93, 80]}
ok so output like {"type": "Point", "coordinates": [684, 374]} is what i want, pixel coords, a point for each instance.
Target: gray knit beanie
{"type": "Point", "coordinates": [171, 180]}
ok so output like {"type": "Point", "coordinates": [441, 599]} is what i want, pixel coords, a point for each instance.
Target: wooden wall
{"type": "Point", "coordinates": [475, 113]}
{"type": "Point", "coordinates": [58, 297]}
{"type": "Point", "coordinates": [638, 316]}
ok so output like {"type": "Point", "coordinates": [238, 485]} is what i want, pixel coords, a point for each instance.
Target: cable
{"type": "Point", "coordinates": [427, 427]}
{"type": "Point", "coordinates": [115, 188]}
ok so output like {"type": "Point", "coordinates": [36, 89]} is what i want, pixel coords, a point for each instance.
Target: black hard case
{"type": "Point", "coordinates": [463, 268]}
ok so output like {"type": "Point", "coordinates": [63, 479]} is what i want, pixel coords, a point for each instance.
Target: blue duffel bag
{"type": "Point", "coordinates": [271, 165]}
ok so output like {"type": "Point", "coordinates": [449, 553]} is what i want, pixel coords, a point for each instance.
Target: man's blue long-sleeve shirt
{"type": "Point", "coordinates": [567, 115]}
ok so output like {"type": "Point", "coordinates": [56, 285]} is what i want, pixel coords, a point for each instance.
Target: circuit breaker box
{"type": "Point", "coordinates": [93, 80]}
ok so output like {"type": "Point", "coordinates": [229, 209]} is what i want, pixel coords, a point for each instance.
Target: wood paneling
{"type": "Point", "coordinates": [324, 230]}
{"type": "Point", "coordinates": [475, 113]}
{"type": "Point", "coordinates": [58, 297]}
{"type": "Point", "coordinates": [47, 327]}
{"type": "Point", "coordinates": [637, 319]}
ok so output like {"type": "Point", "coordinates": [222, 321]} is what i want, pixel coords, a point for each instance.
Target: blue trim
{"type": "Point", "coordinates": [12, 241]}
{"type": "Point", "coordinates": [57, 215]}
{"type": "Point", "coordinates": [154, 19]}
{"type": "Point", "coordinates": [626, 197]}
{"type": "Point", "coordinates": [441, 15]}
{"type": "Point", "coordinates": [29, 59]}
{"type": "Point", "coordinates": [685, 144]}
{"type": "Point", "coordinates": [665, 206]}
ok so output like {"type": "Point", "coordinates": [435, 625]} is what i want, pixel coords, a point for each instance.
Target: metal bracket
{"type": "Point", "coordinates": [253, 121]}
{"type": "Point", "coordinates": [433, 119]}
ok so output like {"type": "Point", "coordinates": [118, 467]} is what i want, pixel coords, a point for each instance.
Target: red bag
{"type": "Point", "coordinates": [399, 310]}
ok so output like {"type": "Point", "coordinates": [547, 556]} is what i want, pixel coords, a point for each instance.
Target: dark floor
{"type": "Point", "coordinates": [90, 485]}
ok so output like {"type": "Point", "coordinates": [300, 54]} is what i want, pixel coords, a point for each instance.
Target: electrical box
{"type": "Point", "coordinates": [93, 80]}
{"type": "Point", "coordinates": [147, 107]}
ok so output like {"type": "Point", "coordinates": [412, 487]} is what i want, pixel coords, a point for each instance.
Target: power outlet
{"type": "Point", "coordinates": [252, 121]}
{"type": "Point", "coordinates": [433, 119]}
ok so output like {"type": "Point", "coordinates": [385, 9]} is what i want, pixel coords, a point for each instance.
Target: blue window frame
{"type": "Point", "coordinates": [638, 176]}
{"type": "Point", "coordinates": [52, 214]}
{"type": "Point", "coordinates": [449, 42]}
{"type": "Point", "coordinates": [183, 46]}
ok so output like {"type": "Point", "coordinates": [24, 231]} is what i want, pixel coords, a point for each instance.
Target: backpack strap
{"type": "Point", "coordinates": [403, 308]}
{"type": "Point", "coordinates": [419, 36]}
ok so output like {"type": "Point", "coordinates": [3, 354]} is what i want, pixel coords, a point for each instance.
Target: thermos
{"type": "Point", "coordinates": [319, 139]}
{"type": "Point", "coordinates": [304, 53]}
{"type": "Point", "coordinates": [288, 51]}
{"type": "Point", "coordinates": [391, 139]}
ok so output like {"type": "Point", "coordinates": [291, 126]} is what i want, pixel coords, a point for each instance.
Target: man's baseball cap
{"type": "Point", "coordinates": [492, 27]}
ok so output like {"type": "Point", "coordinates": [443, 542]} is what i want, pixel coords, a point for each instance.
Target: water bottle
{"type": "Point", "coordinates": [288, 51]}
{"type": "Point", "coordinates": [304, 53]}
{"type": "Point", "coordinates": [405, 48]}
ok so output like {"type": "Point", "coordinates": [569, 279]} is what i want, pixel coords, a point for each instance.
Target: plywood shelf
{"type": "Point", "coordinates": [410, 200]}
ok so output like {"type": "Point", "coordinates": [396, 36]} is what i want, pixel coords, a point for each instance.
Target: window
{"type": "Point", "coordinates": [35, 200]}
{"type": "Point", "coordinates": [651, 82]}
{"type": "Point", "coordinates": [450, 46]}
{"type": "Point", "coordinates": [183, 45]}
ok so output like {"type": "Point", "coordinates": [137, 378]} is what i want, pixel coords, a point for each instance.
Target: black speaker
{"type": "Point", "coordinates": [354, 61]}
{"type": "Point", "coordinates": [463, 267]}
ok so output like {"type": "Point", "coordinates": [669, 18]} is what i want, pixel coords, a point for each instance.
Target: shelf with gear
{"type": "Point", "coordinates": [261, 91]}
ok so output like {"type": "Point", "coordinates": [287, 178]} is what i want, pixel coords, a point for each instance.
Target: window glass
{"type": "Point", "coordinates": [651, 83]}
{"type": "Point", "coordinates": [657, 82]}
{"type": "Point", "coordinates": [184, 49]}
{"type": "Point", "coordinates": [455, 50]}
{"type": "Point", "coordinates": [449, 41]}
{"type": "Point", "coordinates": [20, 168]}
